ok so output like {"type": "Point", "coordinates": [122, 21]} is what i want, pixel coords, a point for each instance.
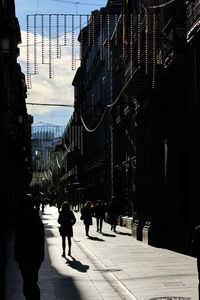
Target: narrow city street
{"type": "Point", "coordinates": [106, 266]}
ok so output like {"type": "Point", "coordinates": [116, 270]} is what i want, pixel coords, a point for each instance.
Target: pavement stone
{"type": "Point", "coordinates": [106, 266]}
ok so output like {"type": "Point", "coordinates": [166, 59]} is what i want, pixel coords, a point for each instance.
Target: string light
{"type": "Point", "coordinates": [50, 50]}
{"type": "Point", "coordinates": [146, 42]}
{"type": "Point", "coordinates": [123, 35]}
{"type": "Point", "coordinates": [108, 39]}
{"type": "Point", "coordinates": [65, 30]}
{"type": "Point", "coordinates": [131, 43]}
{"type": "Point", "coordinates": [42, 20]}
{"type": "Point", "coordinates": [89, 33]}
{"type": "Point", "coordinates": [101, 37]}
{"type": "Point", "coordinates": [81, 42]}
{"type": "Point", "coordinates": [139, 39]}
{"type": "Point", "coordinates": [93, 30]}
{"type": "Point", "coordinates": [116, 29]}
{"type": "Point", "coordinates": [73, 46]}
{"type": "Point", "coordinates": [58, 42]}
{"type": "Point", "coordinates": [154, 51]}
{"type": "Point", "coordinates": [28, 54]}
{"type": "Point", "coordinates": [35, 45]}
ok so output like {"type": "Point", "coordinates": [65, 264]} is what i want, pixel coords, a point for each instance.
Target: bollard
{"type": "Point", "coordinates": [134, 229]}
{"type": "Point", "coordinates": [145, 232]}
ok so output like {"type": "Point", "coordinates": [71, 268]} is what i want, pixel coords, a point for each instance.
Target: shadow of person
{"type": "Point", "coordinates": [123, 233]}
{"type": "Point", "coordinates": [77, 265]}
{"type": "Point", "coordinates": [107, 234]}
{"type": "Point", "coordinates": [95, 238]}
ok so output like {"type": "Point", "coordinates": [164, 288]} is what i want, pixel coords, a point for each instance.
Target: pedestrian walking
{"type": "Point", "coordinates": [113, 213]}
{"type": "Point", "coordinates": [99, 214]}
{"type": "Point", "coordinates": [196, 251]}
{"type": "Point", "coordinates": [86, 216]}
{"type": "Point", "coordinates": [29, 248]}
{"type": "Point", "coordinates": [66, 219]}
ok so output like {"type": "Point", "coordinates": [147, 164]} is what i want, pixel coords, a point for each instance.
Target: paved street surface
{"type": "Point", "coordinates": [106, 266]}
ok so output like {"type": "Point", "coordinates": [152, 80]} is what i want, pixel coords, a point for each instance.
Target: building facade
{"type": "Point", "coordinates": [161, 79]}
{"type": "Point", "coordinates": [92, 95]}
{"type": "Point", "coordinates": [137, 109]}
{"type": "Point", "coordinates": [15, 129]}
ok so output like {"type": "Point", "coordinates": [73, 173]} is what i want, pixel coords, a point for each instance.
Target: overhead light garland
{"type": "Point", "coordinates": [98, 29]}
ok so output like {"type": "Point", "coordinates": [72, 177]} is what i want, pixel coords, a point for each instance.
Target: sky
{"type": "Point", "coordinates": [58, 90]}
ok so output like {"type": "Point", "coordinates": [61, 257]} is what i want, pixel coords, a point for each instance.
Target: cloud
{"type": "Point", "coordinates": [44, 90]}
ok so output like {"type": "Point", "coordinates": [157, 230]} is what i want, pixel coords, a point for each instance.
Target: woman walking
{"type": "Point", "coordinates": [86, 216]}
{"type": "Point", "coordinates": [66, 219]}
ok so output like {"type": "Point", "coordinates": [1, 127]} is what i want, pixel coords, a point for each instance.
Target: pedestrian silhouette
{"type": "Point", "coordinates": [99, 214]}
{"type": "Point", "coordinates": [196, 251]}
{"type": "Point", "coordinates": [66, 219]}
{"type": "Point", "coordinates": [86, 216]}
{"type": "Point", "coordinates": [2, 264]}
{"type": "Point", "coordinates": [29, 248]}
{"type": "Point", "coordinates": [113, 213]}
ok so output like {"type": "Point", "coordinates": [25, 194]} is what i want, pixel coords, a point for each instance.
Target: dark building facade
{"type": "Point", "coordinates": [137, 105]}
{"type": "Point", "coordinates": [92, 95]}
{"type": "Point", "coordinates": [161, 79]}
{"type": "Point", "coordinates": [15, 128]}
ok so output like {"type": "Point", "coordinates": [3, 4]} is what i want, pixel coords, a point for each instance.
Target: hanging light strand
{"type": "Point", "coordinates": [50, 50]}
{"type": "Point", "coordinates": [73, 45]}
{"type": "Point", "coordinates": [42, 44]}
{"type": "Point", "coordinates": [131, 43]}
{"type": "Point", "coordinates": [101, 37]}
{"type": "Point", "coordinates": [35, 45]}
{"type": "Point", "coordinates": [108, 39]}
{"type": "Point", "coordinates": [89, 31]}
{"type": "Point", "coordinates": [28, 54]}
{"type": "Point", "coordinates": [93, 30]}
{"type": "Point", "coordinates": [123, 35]}
{"type": "Point", "coordinates": [146, 42]}
{"type": "Point", "coordinates": [57, 37]}
{"type": "Point", "coordinates": [81, 42]}
{"type": "Point", "coordinates": [139, 39]}
{"type": "Point", "coordinates": [65, 30]}
{"type": "Point", "coordinates": [154, 52]}
{"type": "Point", "coordinates": [116, 18]}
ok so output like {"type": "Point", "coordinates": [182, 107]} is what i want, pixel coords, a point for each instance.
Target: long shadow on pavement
{"type": "Point", "coordinates": [95, 238]}
{"type": "Point", "coordinates": [75, 264]}
{"type": "Point", "coordinates": [107, 234]}
{"type": "Point", "coordinates": [123, 233]}
{"type": "Point", "coordinates": [54, 282]}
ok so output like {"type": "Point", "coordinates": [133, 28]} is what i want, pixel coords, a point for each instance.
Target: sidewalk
{"type": "Point", "coordinates": [107, 266]}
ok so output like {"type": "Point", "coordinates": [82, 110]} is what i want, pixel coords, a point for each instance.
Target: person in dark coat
{"type": "Point", "coordinates": [113, 213]}
{"type": "Point", "coordinates": [29, 248]}
{"type": "Point", "coordinates": [86, 216]}
{"type": "Point", "coordinates": [99, 214]}
{"type": "Point", "coordinates": [66, 219]}
{"type": "Point", "coordinates": [196, 251]}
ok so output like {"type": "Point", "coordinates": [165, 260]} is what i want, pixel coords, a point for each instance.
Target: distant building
{"type": "Point", "coordinates": [45, 135]}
